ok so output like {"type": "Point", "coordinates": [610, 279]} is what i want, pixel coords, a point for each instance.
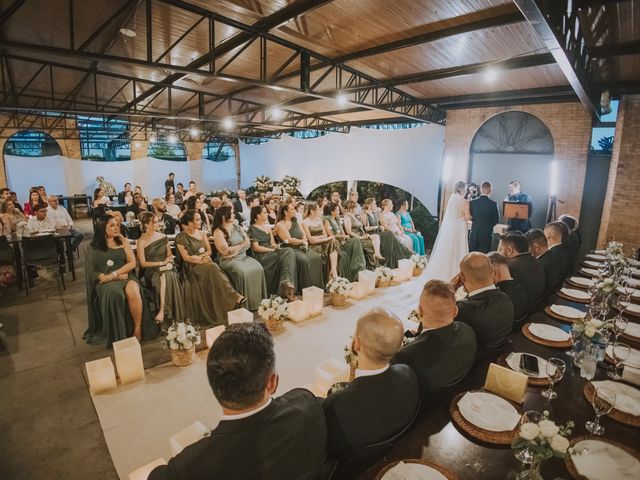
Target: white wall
{"type": "Point", "coordinates": [410, 159]}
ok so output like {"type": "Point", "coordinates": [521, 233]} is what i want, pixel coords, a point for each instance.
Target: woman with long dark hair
{"type": "Point", "coordinates": [34, 199]}
{"type": "Point", "coordinates": [320, 240]}
{"type": "Point", "coordinates": [409, 228]}
{"type": "Point", "coordinates": [351, 254]}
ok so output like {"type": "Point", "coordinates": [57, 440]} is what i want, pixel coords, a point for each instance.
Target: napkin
{"type": "Point", "coordinates": [627, 397]}
{"type": "Point", "coordinates": [603, 460]}
{"type": "Point", "coordinates": [631, 375]}
{"type": "Point", "coordinates": [513, 360]}
{"type": "Point", "coordinates": [566, 311]}
{"type": "Point", "coordinates": [589, 271]}
{"type": "Point", "coordinates": [632, 307]}
{"type": "Point", "coordinates": [579, 294]}
{"type": "Point", "coordinates": [635, 292]}
{"type": "Point", "coordinates": [548, 332]}
{"type": "Point", "coordinates": [488, 411]}
{"type": "Point", "coordinates": [633, 330]}
{"type": "Point", "coordinates": [413, 471]}
{"type": "Point", "coordinates": [600, 252]}
{"type": "Point", "coordinates": [633, 360]}
{"type": "Point", "coordinates": [587, 282]}
{"type": "Point", "coordinates": [591, 263]}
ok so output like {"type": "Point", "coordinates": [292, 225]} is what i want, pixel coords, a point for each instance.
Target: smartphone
{"type": "Point", "coordinates": [529, 364]}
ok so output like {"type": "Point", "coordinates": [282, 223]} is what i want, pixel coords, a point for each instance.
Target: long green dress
{"type": "Point", "coordinates": [279, 266]}
{"type": "Point", "coordinates": [108, 312]}
{"type": "Point", "coordinates": [352, 258]}
{"type": "Point", "coordinates": [391, 248]}
{"type": "Point", "coordinates": [174, 310]}
{"type": "Point", "coordinates": [367, 244]}
{"type": "Point", "coordinates": [309, 266]}
{"type": "Point", "coordinates": [208, 293]}
{"type": "Point", "coordinates": [246, 273]}
{"type": "Point", "coordinates": [324, 249]}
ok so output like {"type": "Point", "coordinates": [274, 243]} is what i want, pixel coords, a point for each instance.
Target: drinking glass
{"type": "Point", "coordinates": [603, 402]}
{"type": "Point", "coordinates": [576, 342]}
{"type": "Point", "coordinates": [525, 455]}
{"type": "Point", "coordinates": [589, 361]}
{"type": "Point", "coordinates": [620, 352]}
{"type": "Point", "coordinates": [555, 371]}
{"type": "Point", "coordinates": [619, 325]}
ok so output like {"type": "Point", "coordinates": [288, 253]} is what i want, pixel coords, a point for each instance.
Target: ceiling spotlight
{"type": "Point", "coordinates": [490, 74]}
{"type": "Point", "coordinates": [276, 113]}
{"type": "Point", "coordinates": [127, 32]}
{"type": "Point", "coordinates": [137, 145]}
{"type": "Point", "coordinates": [172, 138]}
{"type": "Point", "coordinates": [228, 123]}
{"type": "Point", "coordinates": [342, 99]}
{"type": "Point", "coordinates": [194, 132]}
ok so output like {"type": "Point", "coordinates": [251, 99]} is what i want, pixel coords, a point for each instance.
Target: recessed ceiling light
{"type": "Point", "coordinates": [228, 123]}
{"type": "Point", "coordinates": [490, 74]}
{"type": "Point", "coordinates": [194, 132]}
{"type": "Point", "coordinates": [127, 32]}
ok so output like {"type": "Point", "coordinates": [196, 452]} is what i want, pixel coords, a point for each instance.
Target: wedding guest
{"type": "Point", "coordinates": [370, 242]}
{"type": "Point", "coordinates": [16, 203]}
{"type": "Point", "coordinates": [506, 283]}
{"type": "Point", "coordinates": [557, 234]}
{"type": "Point", "coordinates": [62, 219]}
{"type": "Point", "coordinates": [300, 207]}
{"type": "Point", "coordinates": [382, 399]}
{"type": "Point", "coordinates": [100, 201]}
{"type": "Point", "coordinates": [484, 213]}
{"type": "Point", "coordinates": [523, 267]}
{"type": "Point", "coordinates": [240, 203]}
{"type": "Point", "coordinates": [322, 201]}
{"type": "Point", "coordinates": [350, 253]}
{"type": "Point", "coordinates": [138, 189]}
{"type": "Point", "coordinates": [215, 203]}
{"type": "Point", "coordinates": [516, 195]}
{"type": "Point", "coordinates": [34, 199]}
{"type": "Point", "coordinates": [335, 197]}
{"type": "Point", "coordinates": [123, 194]}
{"type": "Point", "coordinates": [128, 198]}
{"type": "Point", "coordinates": [272, 213]}
{"type": "Point", "coordinates": [445, 350]}
{"type": "Point", "coordinates": [279, 264]}
{"type": "Point", "coordinates": [553, 266]}
{"type": "Point", "coordinates": [172, 208]}
{"type": "Point", "coordinates": [10, 215]}
{"type": "Point", "coordinates": [208, 293]}
{"type": "Point", "coordinates": [309, 264]}
{"type": "Point", "coordinates": [574, 242]}
{"type": "Point", "coordinates": [390, 222]}
{"type": "Point", "coordinates": [320, 240]}
{"type": "Point", "coordinates": [409, 228]}
{"type": "Point", "coordinates": [486, 309]}
{"type": "Point", "coordinates": [191, 192]}
{"type": "Point", "coordinates": [5, 194]}
{"type": "Point", "coordinates": [166, 222]}
{"type": "Point", "coordinates": [259, 436]}
{"type": "Point", "coordinates": [353, 196]}
{"type": "Point", "coordinates": [154, 255]}
{"type": "Point", "coordinates": [40, 222]}
{"type": "Point", "coordinates": [139, 205]}
{"type": "Point", "coordinates": [43, 194]}
{"type": "Point", "coordinates": [392, 247]}
{"type": "Point", "coordinates": [168, 183]}
{"type": "Point", "coordinates": [231, 242]}
{"type": "Point", "coordinates": [179, 193]}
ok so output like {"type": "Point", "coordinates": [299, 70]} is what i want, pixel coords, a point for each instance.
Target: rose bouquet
{"type": "Point", "coordinates": [385, 275]}
{"type": "Point", "coordinates": [273, 311]}
{"type": "Point", "coordinates": [263, 183]}
{"type": "Point", "coordinates": [290, 184]}
{"type": "Point", "coordinates": [419, 261]}
{"type": "Point", "coordinates": [182, 336]}
{"type": "Point", "coordinates": [339, 286]}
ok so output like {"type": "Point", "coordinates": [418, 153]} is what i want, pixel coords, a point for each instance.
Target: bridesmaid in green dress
{"type": "Point", "coordinates": [390, 246]}
{"type": "Point", "coordinates": [246, 273]}
{"type": "Point", "coordinates": [209, 295]}
{"type": "Point", "coordinates": [279, 264]}
{"type": "Point", "coordinates": [309, 267]}
{"type": "Point", "coordinates": [352, 258]}
{"type": "Point", "coordinates": [156, 258]}
{"type": "Point", "coordinates": [370, 242]}
{"type": "Point", "coordinates": [320, 239]}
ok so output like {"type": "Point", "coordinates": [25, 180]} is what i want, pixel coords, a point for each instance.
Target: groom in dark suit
{"type": "Point", "coordinates": [484, 213]}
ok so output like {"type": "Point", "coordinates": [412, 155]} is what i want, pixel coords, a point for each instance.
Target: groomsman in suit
{"type": "Point", "coordinates": [444, 352]}
{"type": "Point", "coordinates": [383, 399]}
{"type": "Point", "coordinates": [554, 270]}
{"type": "Point", "coordinates": [506, 283]}
{"type": "Point", "coordinates": [484, 213]}
{"type": "Point", "coordinates": [122, 194]}
{"type": "Point", "coordinates": [259, 436]}
{"type": "Point", "coordinates": [486, 309]}
{"type": "Point", "coordinates": [574, 242]}
{"type": "Point", "coordinates": [516, 195]}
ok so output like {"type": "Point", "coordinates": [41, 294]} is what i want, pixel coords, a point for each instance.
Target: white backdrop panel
{"type": "Point", "coordinates": [410, 159]}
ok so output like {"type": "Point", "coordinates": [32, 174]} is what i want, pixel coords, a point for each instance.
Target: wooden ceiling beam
{"type": "Point", "coordinates": [10, 10]}
{"type": "Point", "coordinates": [510, 97]}
{"type": "Point", "coordinates": [617, 49]}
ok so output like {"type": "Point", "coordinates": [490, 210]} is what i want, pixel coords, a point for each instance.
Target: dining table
{"type": "Point", "coordinates": [62, 236]}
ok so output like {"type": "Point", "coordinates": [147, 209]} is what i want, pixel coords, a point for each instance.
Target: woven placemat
{"type": "Point", "coordinates": [615, 414]}
{"type": "Point", "coordinates": [572, 299]}
{"type": "Point", "coordinates": [447, 473]}
{"type": "Point", "coordinates": [532, 382]}
{"type": "Point", "coordinates": [542, 341]}
{"type": "Point", "coordinates": [496, 438]}
{"type": "Point", "coordinates": [568, 461]}
{"type": "Point", "coordinates": [557, 316]}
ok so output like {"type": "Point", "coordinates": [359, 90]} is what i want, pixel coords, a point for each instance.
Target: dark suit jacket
{"type": "Point", "coordinates": [573, 249]}
{"type": "Point", "coordinates": [440, 357]}
{"type": "Point", "coordinates": [371, 409]}
{"type": "Point", "coordinates": [554, 263]}
{"type": "Point", "coordinates": [490, 314]}
{"type": "Point", "coordinates": [516, 292]}
{"type": "Point", "coordinates": [287, 440]}
{"type": "Point", "coordinates": [529, 272]}
{"type": "Point", "coordinates": [238, 205]}
{"type": "Point", "coordinates": [484, 212]}
{"type": "Point", "coordinates": [169, 224]}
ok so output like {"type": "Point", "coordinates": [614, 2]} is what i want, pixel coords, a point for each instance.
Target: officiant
{"type": "Point", "coordinates": [516, 195]}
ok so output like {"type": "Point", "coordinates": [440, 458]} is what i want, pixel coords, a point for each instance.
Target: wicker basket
{"type": "Point", "coordinates": [417, 271]}
{"type": "Point", "coordinates": [338, 300]}
{"type": "Point", "coordinates": [382, 283]}
{"type": "Point", "coordinates": [274, 324]}
{"type": "Point", "coordinates": [182, 358]}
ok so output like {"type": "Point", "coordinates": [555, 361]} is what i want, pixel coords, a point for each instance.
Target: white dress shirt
{"type": "Point", "coordinates": [60, 217]}
{"type": "Point", "coordinates": [36, 225]}
{"type": "Point", "coordinates": [368, 373]}
{"type": "Point", "coordinates": [480, 290]}
{"type": "Point", "coordinates": [240, 416]}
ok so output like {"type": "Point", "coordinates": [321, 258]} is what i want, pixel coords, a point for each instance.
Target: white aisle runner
{"type": "Point", "coordinates": [137, 420]}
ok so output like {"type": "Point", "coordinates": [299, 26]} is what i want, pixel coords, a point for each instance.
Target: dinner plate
{"type": "Point", "coordinates": [634, 293]}
{"type": "Point", "coordinates": [579, 294]}
{"type": "Point", "coordinates": [566, 311]}
{"type": "Point", "coordinates": [488, 411]}
{"type": "Point", "coordinates": [596, 256]}
{"type": "Point", "coordinates": [596, 460]}
{"type": "Point", "coordinates": [633, 360]}
{"type": "Point", "coordinates": [591, 263]}
{"type": "Point", "coordinates": [548, 332]}
{"type": "Point", "coordinates": [513, 360]}
{"type": "Point", "coordinates": [403, 471]}
{"type": "Point", "coordinates": [585, 282]}
{"type": "Point", "coordinates": [589, 271]}
{"type": "Point", "coordinates": [632, 307]}
{"type": "Point", "coordinates": [627, 397]}
{"type": "Point", "coordinates": [632, 330]}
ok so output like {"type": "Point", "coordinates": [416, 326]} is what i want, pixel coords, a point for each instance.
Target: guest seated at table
{"type": "Point", "coordinates": [16, 203]}
{"type": "Point", "coordinates": [191, 192]}
{"type": "Point", "coordinates": [272, 211]}
{"type": "Point", "coordinates": [40, 222]}
{"type": "Point", "coordinates": [523, 266]}
{"type": "Point", "coordinates": [320, 240]}
{"type": "Point", "coordinates": [370, 242]}
{"type": "Point", "coordinates": [390, 222]}
{"type": "Point", "coordinates": [309, 265]}
{"type": "Point", "coordinates": [554, 267]}
{"type": "Point", "coordinates": [34, 199]}
{"type": "Point", "coordinates": [383, 399]}
{"type": "Point", "coordinates": [100, 202]}
{"type": "Point", "coordinates": [259, 436]}
{"type": "Point", "coordinates": [506, 283]}
{"type": "Point", "coordinates": [165, 221]}
{"type": "Point", "coordinates": [392, 247]}
{"type": "Point", "coordinates": [5, 194]}
{"type": "Point", "coordinates": [43, 194]}
{"type": "Point", "coordinates": [444, 351]}
{"type": "Point", "coordinates": [126, 192]}
{"type": "Point", "coordinates": [138, 189]}
{"type": "Point", "coordinates": [232, 243]}
{"type": "Point", "coordinates": [139, 205]}
{"type": "Point", "coordinates": [172, 208]}
{"type": "Point", "coordinates": [486, 309]}
{"type": "Point", "coordinates": [574, 242]}
{"type": "Point", "coordinates": [279, 264]}
{"type": "Point", "coordinates": [351, 255]}
{"type": "Point", "coordinates": [407, 225]}
{"type": "Point", "coordinates": [154, 255]}
{"type": "Point", "coordinates": [116, 310]}
{"type": "Point", "coordinates": [557, 234]}
{"type": "Point", "coordinates": [209, 295]}
{"type": "Point", "coordinates": [10, 215]}
{"type": "Point", "coordinates": [62, 220]}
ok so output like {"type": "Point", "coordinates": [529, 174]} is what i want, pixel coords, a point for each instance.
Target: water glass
{"type": "Point", "coordinates": [603, 401]}
{"type": "Point", "coordinates": [589, 361]}
{"type": "Point", "coordinates": [555, 371]}
{"type": "Point", "coordinates": [577, 342]}
{"type": "Point", "coordinates": [620, 352]}
{"type": "Point", "coordinates": [525, 455]}
{"type": "Point", "coordinates": [601, 341]}
{"type": "Point", "coordinates": [619, 325]}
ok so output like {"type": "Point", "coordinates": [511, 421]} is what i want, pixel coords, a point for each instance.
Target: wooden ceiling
{"type": "Point", "coordinates": [279, 65]}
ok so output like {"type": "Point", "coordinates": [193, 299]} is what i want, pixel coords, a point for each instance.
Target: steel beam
{"type": "Point", "coordinates": [507, 97]}
{"type": "Point", "coordinates": [10, 10]}
{"type": "Point", "coordinates": [615, 50]}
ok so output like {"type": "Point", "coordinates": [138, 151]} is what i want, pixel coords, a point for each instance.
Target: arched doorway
{"type": "Point", "coordinates": [514, 146]}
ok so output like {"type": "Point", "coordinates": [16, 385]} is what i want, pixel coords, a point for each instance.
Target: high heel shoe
{"type": "Point", "coordinates": [241, 302]}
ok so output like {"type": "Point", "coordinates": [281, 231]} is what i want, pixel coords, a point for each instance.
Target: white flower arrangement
{"type": "Point", "coordinates": [339, 285]}
{"type": "Point", "coordinates": [263, 183]}
{"type": "Point", "coordinates": [290, 183]}
{"type": "Point", "coordinates": [182, 336]}
{"type": "Point", "coordinates": [544, 439]}
{"type": "Point", "coordinates": [274, 307]}
{"type": "Point", "coordinates": [615, 248]}
{"type": "Point", "coordinates": [384, 273]}
{"type": "Point", "coordinates": [201, 250]}
{"type": "Point", "coordinates": [607, 285]}
{"type": "Point", "coordinates": [349, 356]}
{"type": "Point", "coordinates": [109, 263]}
{"type": "Point", "coordinates": [419, 261]}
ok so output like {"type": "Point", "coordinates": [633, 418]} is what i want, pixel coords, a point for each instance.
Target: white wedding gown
{"type": "Point", "coordinates": [452, 243]}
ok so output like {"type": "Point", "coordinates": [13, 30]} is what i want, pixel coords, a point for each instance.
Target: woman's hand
{"type": "Point", "coordinates": [169, 259]}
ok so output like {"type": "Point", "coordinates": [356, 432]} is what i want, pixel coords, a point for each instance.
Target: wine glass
{"type": "Point", "coordinates": [576, 341]}
{"type": "Point", "coordinates": [620, 352]}
{"type": "Point", "coordinates": [619, 325]}
{"type": "Point", "coordinates": [525, 455]}
{"type": "Point", "coordinates": [603, 401]}
{"type": "Point", "coordinates": [555, 371]}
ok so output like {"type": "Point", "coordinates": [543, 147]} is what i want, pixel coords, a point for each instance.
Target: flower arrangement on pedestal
{"type": "Point", "coordinates": [263, 183]}
{"type": "Point", "coordinates": [220, 193]}
{"type": "Point", "coordinates": [290, 184]}
{"type": "Point", "coordinates": [338, 287]}
{"type": "Point", "coordinates": [419, 264]}
{"type": "Point", "coordinates": [273, 311]}
{"type": "Point", "coordinates": [181, 339]}
{"type": "Point", "coordinates": [385, 275]}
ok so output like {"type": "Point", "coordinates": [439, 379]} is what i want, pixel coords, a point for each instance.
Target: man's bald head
{"type": "Point", "coordinates": [379, 333]}
{"type": "Point", "coordinates": [476, 267]}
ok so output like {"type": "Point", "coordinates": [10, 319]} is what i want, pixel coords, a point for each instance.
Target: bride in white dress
{"type": "Point", "coordinates": [452, 242]}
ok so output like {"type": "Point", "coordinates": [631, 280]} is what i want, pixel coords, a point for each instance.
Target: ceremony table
{"type": "Point", "coordinates": [61, 236]}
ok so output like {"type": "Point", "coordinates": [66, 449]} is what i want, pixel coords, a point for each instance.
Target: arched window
{"type": "Point", "coordinates": [393, 126]}
{"type": "Point", "coordinates": [31, 143]}
{"type": "Point", "coordinates": [217, 151]}
{"type": "Point", "coordinates": [103, 139]}
{"type": "Point", "coordinates": [165, 150]}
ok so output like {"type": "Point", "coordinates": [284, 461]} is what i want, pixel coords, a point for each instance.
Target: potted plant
{"type": "Point", "coordinates": [182, 338]}
{"type": "Point", "coordinates": [338, 287]}
{"type": "Point", "coordinates": [419, 264]}
{"type": "Point", "coordinates": [273, 311]}
{"type": "Point", "coordinates": [385, 275]}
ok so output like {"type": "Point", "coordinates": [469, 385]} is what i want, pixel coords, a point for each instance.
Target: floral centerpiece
{"type": "Point", "coordinates": [338, 287]}
{"type": "Point", "coordinates": [290, 184]}
{"type": "Point", "coordinates": [181, 339]}
{"type": "Point", "coordinates": [419, 264]}
{"type": "Point", "coordinates": [273, 311]}
{"type": "Point", "coordinates": [385, 275]}
{"type": "Point", "coordinates": [350, 358]}
{"type": "Point", "coordinates": [541, 440]}
{"type": "Point", "coordinates": [263, 183]}
{"type": "Point", "coordinates": [222, 193]}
